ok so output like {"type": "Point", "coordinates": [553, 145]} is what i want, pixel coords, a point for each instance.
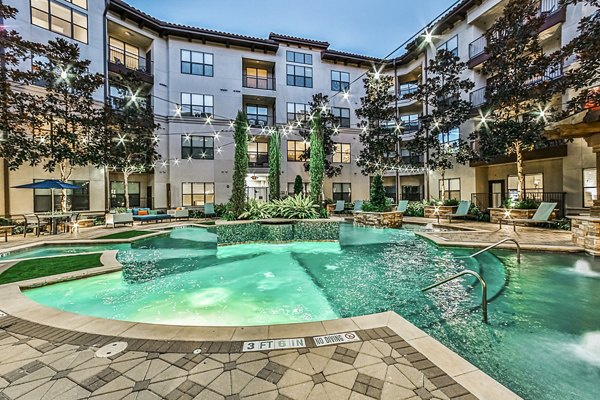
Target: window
{"type": "Point", "coordinates": [305, 188]}
{"type": "Point", "coordinates": [340, 81]}
{"type": "Point", "coordinates": [342, 115]}
{"type": "Point", "coordinates": [534, 183]}
{"type": "Point", "coordinates": [411, 193]}
{"type": "Point", "coordinates": [296, 149]}
{"type": "Point", "coordinates": [196, 63]}
{"type": "Point", "coordinates": [299, 76]}
{"type": "Point", "coordinates": [341, 153]}
{"type": "Point", "coordinates": [410, 157]}
{"type": "Point", "coordinates": [300, 58]}
{"type": "Point", "coordinates": [60, 19]}
{"type": "Point", "coordinates": [451, 137]}
{"type": "Point", "coordinates": [196, 105]}
{"type": "Point", "coordinates": [590, 191]}
{"type": "Point", "coordinates": [408, 88]}
{"type": "Point", "coordinates": [258, 115]}
{"type": "Point", "coordinates": [79, 3]}
{"type": "Point", "coordinates": [77, 199]}
{"type": "Point", "coordinates": [342, 191]}
{"type": "Point", "coordinates": [198, 147]}
{"type": "Point", "coordinates": [117, 194]}
{"type": "Point", "coordinates": [124, 53]}
{"type": "Point", "coordinates": [258, 154]}
{"type": "Point", "coordinates": [197, 194]}
{"type": "Point", "coordinates": [257, 78]}
{"type": "Point", "coordinates": [452, 187]}
{"type": "Point", "coordinates": [410, 123]}
{"type": "Point", "coordinates": [297, 112]}
{"type": "Point", "coordinates": [451, 45]}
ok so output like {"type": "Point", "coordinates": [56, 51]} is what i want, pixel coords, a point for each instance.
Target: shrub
{"type": "Point", "coordinates": [298, 185]}
{"type": "Point", "coordinates": [378, 201]}
{"type": "Point", "coordinates": [368, 206]}
{"type": "Point", "coordinates": [526, 204]}
{"type": "Point", "coordinates": [416, 209]}
{"type": "Point", "coordinates": [451, 202]}
{"type": "Point", "coordinates": [256, 210]}
{"type": "Point", "coordinates": [296, 207]}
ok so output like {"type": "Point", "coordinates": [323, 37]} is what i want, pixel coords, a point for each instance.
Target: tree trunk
{"type": "Point", "coordinates": [126, 188]}
{"type": "Point", "coordinates": [520, 174]}
{"type": "Point", "coordinates": [443, 185]}
{"type": "Point", "coordinates": [65, 174]}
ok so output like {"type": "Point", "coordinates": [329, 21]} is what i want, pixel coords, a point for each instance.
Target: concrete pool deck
{"type": "Point", "coordinates": [48, 353]}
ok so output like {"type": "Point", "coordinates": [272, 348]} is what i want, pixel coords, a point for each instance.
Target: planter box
{"type": "Point", "coordinates": [330, 208]}
{"type": "Point", "coordinates": [441, 211]}
{"type": "Point", "coordinates": [496, 214]}
{"type": "Point", "coordinates": [586, 233]}
{"type": "Point", "coordinates": [391, 219]}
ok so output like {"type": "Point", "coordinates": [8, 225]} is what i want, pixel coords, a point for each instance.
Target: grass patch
{"type": "Point", "coordinates": [31, 269]}
{"type": "Point", "coordinates": [124, 235]}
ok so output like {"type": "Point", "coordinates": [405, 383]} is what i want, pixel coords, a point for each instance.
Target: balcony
{"type": "Point", "coordinates": [258, 152]}
{"type": "Point", "coordinates": [258, 74]}
{"type": "Point", "coordinates": [551, 149]}
{"type": "Point", "coordinates": [260, 120]}
{"type": "Point", "coordinates": [552, 72]}
{"type": "Point", "coordinates": [477, 54]}
{"type": "Point", "coordinates": [478, 97]}
{"type": "Point", "coordinates": [121, 62]}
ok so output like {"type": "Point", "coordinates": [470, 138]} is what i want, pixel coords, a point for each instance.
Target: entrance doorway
{"type": "Point", "coordinates": [257, 187]}
{"type": "Point", "coordinates": [497, 191]}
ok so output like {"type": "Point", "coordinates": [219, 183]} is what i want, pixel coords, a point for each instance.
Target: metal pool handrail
{"type": "Point", "coordinates": [484, 301]}
{"type": "Point", "coordinates": [498, 244]}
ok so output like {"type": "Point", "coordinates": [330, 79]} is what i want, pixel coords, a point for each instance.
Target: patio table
{"type": "Point", "coordinates": [6, 229]}
{"type": "Point", "coordinates": [54, 218]}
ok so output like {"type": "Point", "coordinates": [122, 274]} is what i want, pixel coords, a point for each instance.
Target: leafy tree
{"type": "Point", "coordinates": [329, 127]}
{"type": "Point", "coordinates": [16, 144]}
{"type": "Point", "coordinates": [317, 157]}
{"type": "Point", "coordinates": [517, 93]}
{"type": "Point", "coordinates": [61, 120]}
{"type": "Point", "coordinates": [128, 143]}
{"type": "Point", "coordinates": [298, 185]}
{"type": "Point", "coordinates": [586, 47]}
{"type": "Point", "coordinates": [380, 136]}
{"type": "Point", "coordinates": [275, 164]}
{"type": "Point", "coordinates": [240, 164]}
{"type": "Point", "coordinates": [442, 91]}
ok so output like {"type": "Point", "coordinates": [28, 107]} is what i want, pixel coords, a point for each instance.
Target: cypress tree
{"type": "Point", "coordinates": [378, 200]}
{"type": "Point", "coordinates": [240, 164]}
{"type": "Point", "coordinates": [275, 165]}
{"type": "Point", "coordinates": [317, 158]}
{"type": "Point", "coordinates": [298, 185]}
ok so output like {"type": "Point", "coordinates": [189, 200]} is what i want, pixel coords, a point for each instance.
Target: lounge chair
{"type": "Point", "coordinates": [402, 206]}
{"type": "Point", "coordinates": [461, 212]}
{"type": "Point", "coordinates": [209, 209]}
{"type": "Point", "coordinates": [340, 206]}
{"type": "Point", "coordinates": [33, 221]}
{"type": "Point", "coordinates": [358, 204]}
{"type": "Point", "coordinates": [541, 216]}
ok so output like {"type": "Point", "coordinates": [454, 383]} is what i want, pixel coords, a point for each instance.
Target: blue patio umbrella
{"type": "Point", "coordinates": [48, 184]}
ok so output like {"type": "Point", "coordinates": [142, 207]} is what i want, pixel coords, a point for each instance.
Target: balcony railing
{"type": "Point", "coordinates": [258, 82]}
{"type": "Point", "coordinates": [258, 160]}
{"type": "Point", "coordinates": [552, 72]}
{"type": "Point", "coordinates": [260, 121]}
{"type": "Point", "coordinates": [479, 97]}
{"type": "Point", "coordinates": [129, 60]}
{"type": "Point", "coordinates": [483, 201]}
{"type": "Point", "coordinates": [550, 6]}
{"type": "Point", "coordinates": [410, 126]}
{"type": "Point", "coordinates": [477, 47]}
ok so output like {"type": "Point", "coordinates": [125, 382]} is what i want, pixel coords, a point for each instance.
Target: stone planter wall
{"type": "Point", "coordinates": [380, 220]}
{"type": "Point", "coordinates": [442, 210]}
{"type": "Point", "coordinates": [496, 214]}
{"type": "Point", "coordinates": [292, 231]}
{"type": "Point", "coordinates": [586, 233]}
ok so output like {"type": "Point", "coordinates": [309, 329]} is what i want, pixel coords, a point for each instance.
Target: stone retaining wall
{"type": "Point", "coordinates": [430, 211]}
{"type": "Point", "coordinates": [293, 231]}
{"type": "Point", "coordinates": [379, 220]}
{"type": "Point", "coordinates": [586, 233]}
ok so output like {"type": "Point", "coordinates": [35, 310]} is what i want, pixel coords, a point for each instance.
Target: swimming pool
{"type": "Point", "coordinates": [543, 340]}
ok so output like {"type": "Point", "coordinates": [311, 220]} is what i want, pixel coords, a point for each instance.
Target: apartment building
{"type": "Point", "coordinates": [198, 80]}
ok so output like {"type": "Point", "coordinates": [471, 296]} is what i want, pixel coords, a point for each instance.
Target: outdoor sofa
{"type": "Point", "coordinates": [146, 215]}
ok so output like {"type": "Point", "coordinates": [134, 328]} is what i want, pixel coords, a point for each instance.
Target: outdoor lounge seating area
{"type": "Point", "coordinates": [541, 217]}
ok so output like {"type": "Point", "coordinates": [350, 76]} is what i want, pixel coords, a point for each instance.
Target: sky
{"type": "Point", "coordinates": [369, 27]}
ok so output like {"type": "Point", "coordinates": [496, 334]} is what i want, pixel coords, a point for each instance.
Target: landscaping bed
{"type": "Point", "coordinates": [38, 268]}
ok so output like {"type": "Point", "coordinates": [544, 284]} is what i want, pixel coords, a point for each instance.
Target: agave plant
{"type": "Point", "coordinates": [256, 210]}
{"type": "Point", "coordinates": [298, 207]}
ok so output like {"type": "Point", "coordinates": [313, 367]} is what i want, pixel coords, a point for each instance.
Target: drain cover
{"type": "Point", "coordinates": [197, 351]}
{"type": "Point", "coordinates": [111, 349]}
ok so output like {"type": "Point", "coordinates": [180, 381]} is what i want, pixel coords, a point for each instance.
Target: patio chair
{"type": "Point", "coordinates": [461, 212]}
{"type": "Point", "coordinates": [541, 216]}
{"type": "Point", "coordinates": [340, 206]}
{"type": "Point", "coordinates": [33, 221]}
{"type": "Point", "coordinates": [358, 204]}
{"type": "Point", "coordinates": [71, 224]}
{"type": "Point", "coordinates": [209, 209]}
{"type": "Point", "coordinates": [402, 206]}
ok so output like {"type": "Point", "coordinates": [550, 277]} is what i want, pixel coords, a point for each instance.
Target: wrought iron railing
{"type": "Point", "coordinates": [479, 97]}
{"type": "Point", "coordinates": [483, 201]}
{"type": "Point", "coordinates": [477, 47]}
{"type": "Point", "coordinates": [129, 60]}
{"type": "Point", "coordinates": [553, 72]}
{"type": "Point", "coordinates": [258, 82]}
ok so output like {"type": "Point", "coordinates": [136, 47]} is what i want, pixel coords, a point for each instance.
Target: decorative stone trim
{"type": "Point", "coordinates": [435, 211]}
{"type": "Point", "coordinates": [279, 232]}
{"type": "Point", "coordinates": [586, 233]}
{"type": "Point", "coordinates": [379, 220]}
{"type": "Point", "coordinates": [496, 214]}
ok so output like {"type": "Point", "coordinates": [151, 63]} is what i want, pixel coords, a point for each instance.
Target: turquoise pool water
{"type": "Point", "coordinates": [543, 340]}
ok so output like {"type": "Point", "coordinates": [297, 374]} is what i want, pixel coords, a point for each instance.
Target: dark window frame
{"type": "Point", "coordinates": [190, 149]}
{"type": "Point", "coordinates": [295, 116]}
{"type": "Point", "coordinates": [202, 66]}
{"type": "Point", "coordinates": [298, 79]}
{"type": "Point", "coordinates": [71, 22]}
{"type": "Point", "coordinates": [340, 85]}
{"type": "Point", "coordinates": [344, 122]}
{"type": "Point", "coordinates": [292, 147]}
{"type": "Point", "coordinates": [118, 199]}
{"type": "Point", "coordinates": [261, 158]}
{"type": "Point", "coordinates": [338, 150]}
{"type": "Point", "coordinates": [202, 195]}
{"type": "Point", "coordinates": [444, 45]}
{"type": "Point", "coordinates": [595, 187]}
{"type": "Point", "coordinates": [449, 192]}
{"type": "Point", "coordinates": [345, 195]}
{"type": "Point", "coordinates": [258, 117]}
{"type": "Point", "coordinates": [298, 57]}
{"type": "Point", "coordinates": [78, 198]}
{"type": "Point", "coordinates": [187, 109]}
